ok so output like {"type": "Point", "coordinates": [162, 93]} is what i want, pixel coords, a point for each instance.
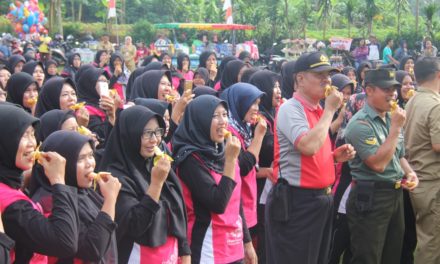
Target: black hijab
{"type": "Point", "coordinates": [248, 73]}
{"type": "Point", "coordinates": [147, 85]}
{"type": "Point", "coordinates": [147, 60]}
{"type": "Point", "coordinates": [244, 54]}
{"type": "Point", "coordinates": [194, 134]}
{"type": "Point", "coordinates": [204, 73]}
{"type": "Point", "coordinates": [52, 121]}
{"type": "Point", "coordinates": [14, 122]}
{"type": "Point", "coordinates": [29, 67]}
{"type": "Point", "coordinates": [202, 90]}
{"type": "Point", "coordinates": [204, 57]}
{"type": "Point", "coordinates": [87, 86]}
{"type": "Point", "coordinates": [112, 61]}
{"type": "Point", "coordinates": [265, 81]}
{"type": "Point", "coordinates": [16, 87]}
{"type": "Point", "coordinates": [14, 60]}
{"type": "Point", "coordinates": [347, 69]}
{"type": "Point", "coordinates": [157, 106]}
{"type": "Point", "coordinates": [400, 75]}
{"type": "Point", "coordinates": [157, 65]}
{"type": "Point", "coordinates": [230, 73]}
{"type": "Point", "coordinates": [360, 68]}
{"type": "Point", "coordinates": [123, 160]}
{"type": "Point", "coordinates": [98, 56]}
{"type": "Point", "coordinates": [47, 64]}
{"type": "Point", "coordinates": [222, 66]}
{"type": "Point", "coordinates": [50, 93]}
{"type": "Point", "coordinates": [403, 62]}
{"type": "Point", "coordinates": [288, 83]}
{"type": "Point", "coordinates": [82, 69]}
{"type": "Point", "coordinates": [180, 59]}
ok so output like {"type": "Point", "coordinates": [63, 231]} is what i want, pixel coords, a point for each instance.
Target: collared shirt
{"type": "Point", "coordinates": [295, 119]}
{"type": "Point", "coordinates": [367, 131]}
{"type": "Point", "coordinates": [422, 130]}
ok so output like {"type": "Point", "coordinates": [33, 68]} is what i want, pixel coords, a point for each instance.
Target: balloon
{"type": "Point", "coordinates": [14, 12]}
{"type": "Point", "coordinates": [26, 12]}
{"type": "Point", "coordinates": [18, 27]}
{"type": "Point", "coordinates": [33, 29]}
{"type": "Point", "coordinates": [44, 22]}
{"type": "Point", "coordinates": [44, 31]}
{"type": "Point", "coordinates": [26, 3]}
{"type": "Point", "coordinates": [26, 28]}
{"type": "Point", "coordinates": [31, 19]}
{"type": "Point", "coordinates": [20, 13]}
{"type": "Point", "coordinates": [12, 6]}
{"type": "Point", "coordinates": [18, 3]}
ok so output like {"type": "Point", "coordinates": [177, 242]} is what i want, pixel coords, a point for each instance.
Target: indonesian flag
{"type": "Point", "coordinates": [111, 8]}
{"type": "Point", "coordinates": [227, 6]}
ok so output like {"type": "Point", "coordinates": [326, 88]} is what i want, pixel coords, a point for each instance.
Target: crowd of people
{"type": "Point", "coordinates": [111, 162]}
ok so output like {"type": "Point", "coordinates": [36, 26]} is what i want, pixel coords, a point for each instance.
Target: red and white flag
{"type": "Point", "coordinates": [227, 6]}
{"type": "Point", "coordinates": [111, 8]}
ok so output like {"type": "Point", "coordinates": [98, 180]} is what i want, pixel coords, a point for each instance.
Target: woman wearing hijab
{"type": "Point", "coordinates": [209, 172]}
{"type": "Point", "coordinates": [176, 76]}
{"type": "Point", "coordinates": [243, 100]}
{"type": "Point", "coordinates": [36, 236]}
{"type": "Point", "coordinates": [154, 84]}
{"type": "Point", "coordinates": [360, 72]}
{"type": "Point", "coordinates": [15, 63]}
{"type": "Point", "coordinates": [4, 76]}
{"type": "Point", "coordinates": [221, 68]}
{"type": "Point", "coordinates": [23, 90]}
{"type": "Point", "coordinates": [407, 85]}
{"type": "Point", "coordinates": [101, 108]}
{"type": "Point", "coordinates": [247, 74]}
{"type": "Point", "coordinates": [163, 109]}
{"type": "Point", "coordinates": [96, 239]}
{"type": "Point", "coordinates": [150, 210]}
{"type": "Point", "coordinates": [72, 66]}
{"type": "Point", "coordinates": [147, 60]}
{"type": "Point", "coordinates": [120, 75]}
{"type": "Point", "coordinates": [410, 236]}
{"type": "Point", "coordinates": [184, 66]}
{"type": "Point", "coordinates": [57, 93]}
{"type": "Point", "coordinates": [36, 69]}
{"type": "Point", "coordinates": [407, 64]}
{"type": "Point", "coordinates": [156, 65]}
{"type": "Point", "coordinates": [201, 77]}
{"type": "Point", "coordinates": [346, 87]}
{"type": "Point", "coordinates": [208, 60]}
{"type": "Point", "coordinates": [50, 69]}
{"type": "Point", "coordinates": [232, 73]}
{"type": "Point", "coordinates": [81, 70]}
{"type": "Point", "coordinates": [101, 60]}
{"type": "Point", "coordinates": [55, 120]}
{"type": "Point", "coordinates": [287, 84]}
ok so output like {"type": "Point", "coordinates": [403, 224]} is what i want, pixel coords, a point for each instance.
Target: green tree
{"type": "Point", "coordinates": [429, 12]}
{"type": "Point", "coordinates": [402, 7]}
{"type": "Point", "coordinates": [325, 8]}
{"type": "Point", "coordinates": [371, 10]}
{"type": "Point", "coordinates": [349, 10]}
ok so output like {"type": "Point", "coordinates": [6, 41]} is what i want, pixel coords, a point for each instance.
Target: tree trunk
{"type": "Point", "coordinates": [73, 10]}
{"type": "Point", "coordinates": [398, 20]}
{"type": "Point", "coordinates": [122, 17]}
{"type": "Point", "coordinates": [349, 29]}
{"type": "Point", "coordinates": [324, 29]}
{"type": "Point", "coordinates": [286, 15]}
{"type": "Point", "coordinates": [417, 16]}
{"type": "Point", "coordinates": [59, 18]}
{"type": "Point", "coordinates": [51, 16]}
{"type": "Point", "coordinates": [370, 26]}
{"type": "Point", "coordinates": [80, 9]}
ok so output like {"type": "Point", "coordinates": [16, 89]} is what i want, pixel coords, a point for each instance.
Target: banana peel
{"type": "Point", "coordinates": [160, 154]}
{"type": "Point", "coordinates": [36, 155]}
{"type": "Point", "coordinates": [329, 89]}
{"type": "Point", "coordinates": [96, 177]}
{"type": "Point", "coordinates": [78, 106]}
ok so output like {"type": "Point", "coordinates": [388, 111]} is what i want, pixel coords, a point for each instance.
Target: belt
{"type": "Point", "coordinates": [326, 190]}
{"type": "Point", "coordinates": [385, 185]}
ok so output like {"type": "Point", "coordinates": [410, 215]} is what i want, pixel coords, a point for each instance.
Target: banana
{"type": "Point", "coordinates": [84, 131]}
{"type": "Point", "coordinates": [394, 106]}
{"type": "Point", "coordinates": [160, 154]}
{"type": "Point", "coordinates": [410, 93]}
{"type": "Point", "coordinates": [37, 153]}
{"type": "Point", "coordinates": [329, 89]}
{"type": "Point", "coordinates": [96, 177]}
{"type": "Point", "coordinates": [227, 133]}
{"type": "Point", "coordinates": [78, 106]}
{"type": "Point", "coordinates": [170, 98]}
{"type": "Point", "coordinates": [32, 101]}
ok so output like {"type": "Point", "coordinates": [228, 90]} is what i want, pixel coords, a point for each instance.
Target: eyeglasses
{"type": "Point", "coordinates": [148, 134]}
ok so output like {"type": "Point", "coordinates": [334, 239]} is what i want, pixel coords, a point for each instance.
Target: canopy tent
{"type": "Point", "coordinates": [204, 26]}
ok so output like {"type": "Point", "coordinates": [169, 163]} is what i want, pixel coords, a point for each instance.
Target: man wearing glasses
{"type": "Point", "coordinates": [422, 143]}
{"type": "Point", "coordinates": [379, 171]}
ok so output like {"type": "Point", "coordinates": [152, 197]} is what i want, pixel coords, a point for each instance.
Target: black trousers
{"type": "Point", "coordinates": [410, 235]}
{"type": "Point", "coordinates": [376, 234]}
{"type": "Point", "coordinates": [298, 225]}
{"type": "Point", "coordinates": [340, 241]}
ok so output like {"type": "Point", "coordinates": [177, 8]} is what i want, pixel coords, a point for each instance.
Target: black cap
{"type": "Point", "coordinates": [382, 78]}
{"type": "Point", "coordinates": [313, 62]}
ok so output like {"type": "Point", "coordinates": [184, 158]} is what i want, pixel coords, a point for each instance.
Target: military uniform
{"type": "Point", "coordinates": [375, 204]}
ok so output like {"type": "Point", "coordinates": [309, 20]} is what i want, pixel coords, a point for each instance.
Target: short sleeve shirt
{"type": "Point", "coordinates": [387, 51]}
{"type": "Point", "coordinates": [294, 120]}
{"type": "Point", "coordinates": [367, 131]}
{"type": "Point", "coordinates": [422, 130]}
